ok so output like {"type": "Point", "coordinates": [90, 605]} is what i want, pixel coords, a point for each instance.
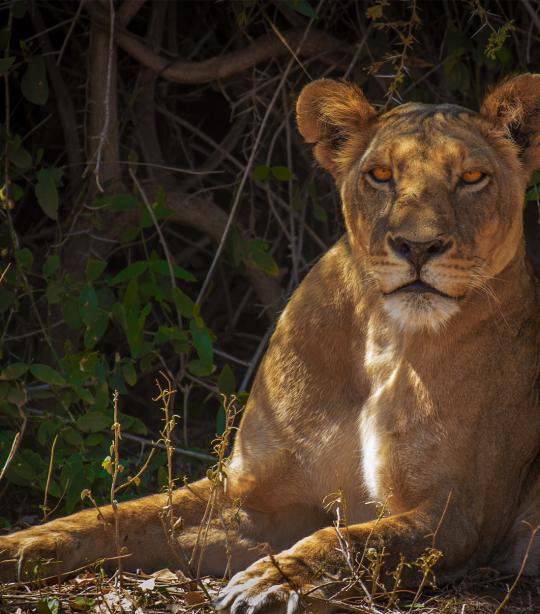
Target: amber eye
{"type": "Point", "coordinates": [381, 174]}
{"type": "Point", "coordinates": [472, 176]}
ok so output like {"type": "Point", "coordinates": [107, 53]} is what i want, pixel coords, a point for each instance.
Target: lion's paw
{"type": "Point", "coordinates": [22, 556]}
{"type": "Point", "coordinates": [263, 587]}
{"type": "Point", "coordinates": [251, 596]}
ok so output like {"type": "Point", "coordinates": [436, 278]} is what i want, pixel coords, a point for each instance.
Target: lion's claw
{"type": "Point", "coordinates": [262, 587]}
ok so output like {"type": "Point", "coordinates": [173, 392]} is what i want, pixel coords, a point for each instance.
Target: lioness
{"type": "Point", "coordinates": [403, 370]}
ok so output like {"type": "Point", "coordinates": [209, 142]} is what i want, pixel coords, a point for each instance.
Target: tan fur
{"type": "Point", "coordinates": [426, 402]}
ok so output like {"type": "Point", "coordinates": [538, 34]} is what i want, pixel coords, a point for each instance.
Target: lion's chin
{"type": "Point", "coordinates": [414, 312]}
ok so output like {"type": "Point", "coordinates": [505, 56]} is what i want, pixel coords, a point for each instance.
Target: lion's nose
{"type": "Point", "coordinates": [418, 252]}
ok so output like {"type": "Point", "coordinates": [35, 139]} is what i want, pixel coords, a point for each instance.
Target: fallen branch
{"type": "Point", "coordinates": [128, 10]}
{"type": "Point", "coordinates": [221, 67]}
{"type": "Point", "coordinates": [264, 48]}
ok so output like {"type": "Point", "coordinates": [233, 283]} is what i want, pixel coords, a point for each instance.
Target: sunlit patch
{"type": "Point", "coordinates": [420, 311]}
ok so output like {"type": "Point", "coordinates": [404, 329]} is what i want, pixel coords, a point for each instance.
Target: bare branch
{"type": "Point", "coordinates": [128, 10]}
{"type": "Point", "coordinates": [102, 145]}
{"type": "Point", "coordinates": [264, 48]}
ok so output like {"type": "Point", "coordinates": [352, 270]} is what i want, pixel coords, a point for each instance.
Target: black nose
{"type": "Point", "coordinates": [418, 252]}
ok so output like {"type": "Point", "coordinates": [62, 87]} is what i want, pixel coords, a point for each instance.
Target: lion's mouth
{"type": "Point", "coordinates": [419, 287]}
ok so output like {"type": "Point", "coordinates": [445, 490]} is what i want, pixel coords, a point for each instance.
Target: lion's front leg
{"type": "Point", "coordinates": [68, 543]}
{"type": "Point", "coordinates": [207, 533]}
{"type": "Point", "coordinates": [305, 577]}
{"type": "Point", "coordinates": [147, 539]}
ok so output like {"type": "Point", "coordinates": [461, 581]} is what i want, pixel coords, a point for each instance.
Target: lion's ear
{"type": "Point", "coordinates": [515, 106]}
{"type": "Point", "coordinates": [330, 112]}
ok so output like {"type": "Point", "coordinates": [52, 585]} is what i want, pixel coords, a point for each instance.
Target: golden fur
{"type": "Point", "coordinates": [426, 399]}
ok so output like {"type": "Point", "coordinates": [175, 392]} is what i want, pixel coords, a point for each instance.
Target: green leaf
{"type": "Point", "coordinates": [94, 268]}
{"type": "Point", "coordinates": [18, 156]}
{"type": "Point", "coordinates": [95, 439]}
{"type": "Point", "coordinates": [162, 267]}
{"type": "Point", "coordinates": [260, 258]}
{"type": "Point", "coordinates": [171, 334]}
{"type": "Point", "coordinates": [303, 7]}
{"type": "Point", "coordinates": [13, 371]}
{"type": "Point", "coordinates": [160, 212]}
{"type": "Point", "coordinates": [236, 245]}
{"type": "Point", "coordinates": [6, 64]}
{"type": "Point", "coordinates": [72, 437]}
{"type": "Point", "coordinates": [34, 84]}
{"type": "Point", "coordinates": [220, 421]}
{"type": "Point", "coordinates": [25, 258]}
{"type": "Point", "coordinates": [133, 424]}
{"type": "Point", "coordinates": [17, 396]}
{"type": "Point", "coordinates": [281, 173]}
{"type": "Point", "coordinates": [21, 472]}
{"type": "Point", "coordinates": [132, 270]}
{"type": "Point", "coordinates": [199, 368]}
{"type": "Point", "coordinates": [129, 234]}
{"type": "Point", "coordinates": [16, 191]}
{"type": "Point", "coordinates": [93, 421]}
{"type": "Point", "coordinates": [319, 213]}
{"type": "Point", "coordinates": [25, 467]}
{"type": "Point", "coordinates": [202, 342]}
{"type": "Point", "coordinates": [227, 381]}
{"type": "Point", "coordinates": [118, 202]}
{"type": "Point", "coordinates": [51, 265]}
{"type": "Point", "coordinates": [55, 291]}
{"type": "Point", "coordinates": [88, 362]}
{"type": "Point", "coordinates": [183, 302]}
{"type": "Point", "coordinates": [533, 194]}
{"type": "Point", "coordinates": [132, 319]}
{"type": "Point", "coordinates": [131, 301]}
{"type": "Point", "coordinates": [84, 394]}
{"type": "Point", "coordinates": [54, 489]}
{"type": "Point", "coordinates": [261, 173]}
{"type": "Point", "coordinates": [129, 373]}
{"type": "Point", "coordinates": [88, 304]}
{"type": "Point", "coordinates": [70, 311]}
{"type": "Point", "coordinates": [48, 428]}
{"type": "Point", "coordinates": [533, 189]}
{"type": "Point", "coordinates": [47, 193]}
{"type": "Point", "coordinates": [73, 479]}
{"type": "Point", "coordinates": [96, 328]}
{"type": "Point", "coordinates": [47, 374]}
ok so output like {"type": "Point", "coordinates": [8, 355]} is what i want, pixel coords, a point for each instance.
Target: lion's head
{"type": "Point", "coordinates": [432, 194]}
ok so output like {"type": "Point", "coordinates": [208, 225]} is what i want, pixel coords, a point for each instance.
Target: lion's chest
{"type": "Point", "coordinates": [399, 433]}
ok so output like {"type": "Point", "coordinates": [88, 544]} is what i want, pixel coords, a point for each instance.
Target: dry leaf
{"type": "Point", "coordinates": [194, 597]}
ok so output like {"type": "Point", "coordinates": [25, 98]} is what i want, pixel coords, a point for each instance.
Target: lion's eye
{"type": "Point", "coordinates": [471, 177]}
{"type": "Point", "coordinates": [381, 174]}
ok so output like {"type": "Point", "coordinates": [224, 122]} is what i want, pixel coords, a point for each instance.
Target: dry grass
{"type": "Point", "coordinates": [167, 591]}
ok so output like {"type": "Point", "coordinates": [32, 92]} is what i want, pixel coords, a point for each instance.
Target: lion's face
{"type": "Point", "coordinates": [434, 206]}
{"type": "Point", "coordinates": [432, 194]}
